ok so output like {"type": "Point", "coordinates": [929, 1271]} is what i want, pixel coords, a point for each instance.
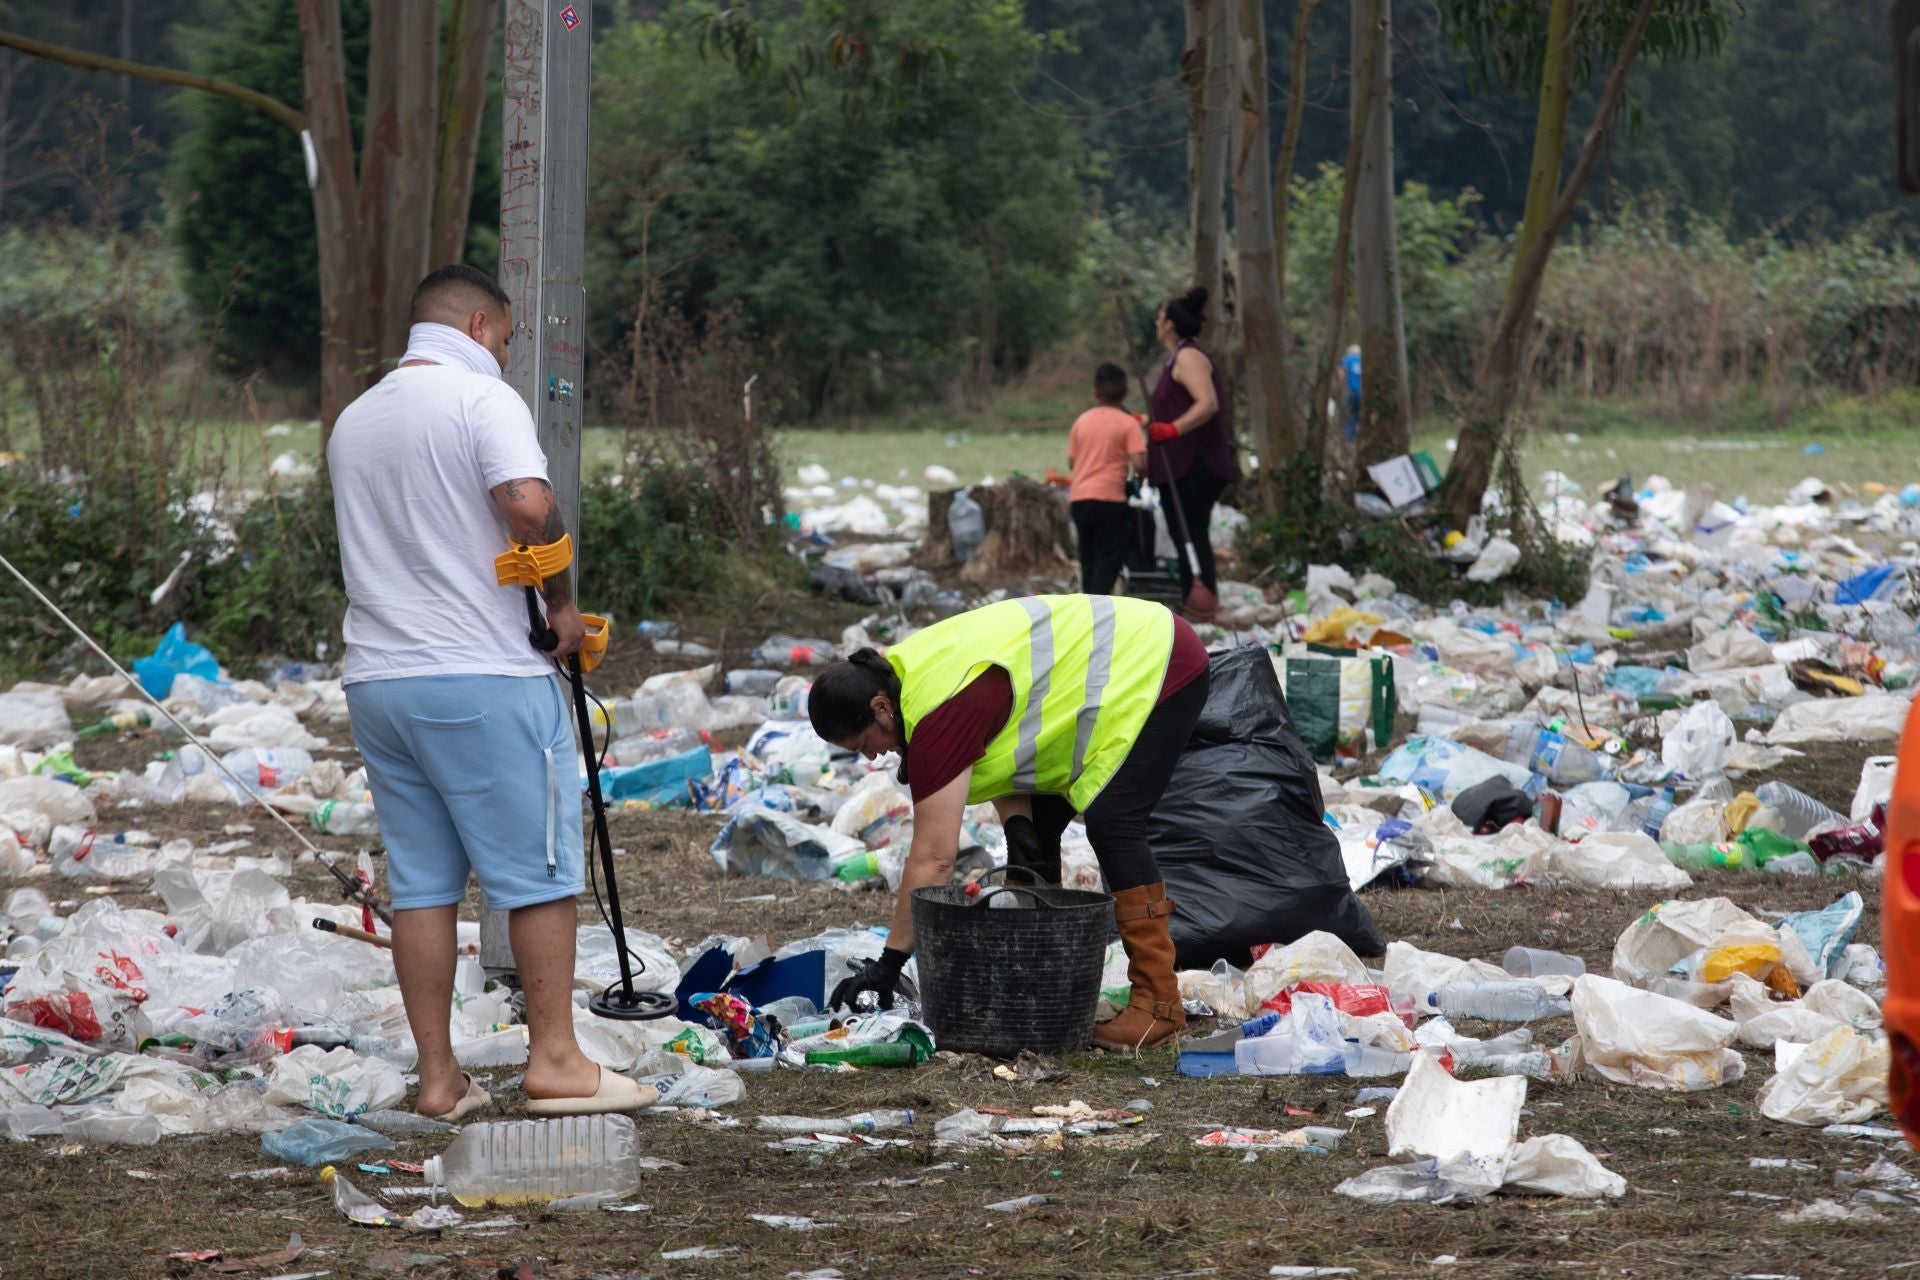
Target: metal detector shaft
{"type": "Point", "coordinates": [602, 841]}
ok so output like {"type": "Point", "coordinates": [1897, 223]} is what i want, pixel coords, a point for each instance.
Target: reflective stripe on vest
{"type": "Point", "coordinates": [1086, 672]}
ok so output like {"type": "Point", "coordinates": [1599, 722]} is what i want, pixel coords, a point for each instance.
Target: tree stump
{"type": "Point", "coordinates": [935, 552]}
{"type": "Point", "coordinates": [1028, 531]}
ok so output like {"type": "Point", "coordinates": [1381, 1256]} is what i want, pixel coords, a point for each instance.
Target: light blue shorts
{"type": "Point", "coordinates": [472, 773]}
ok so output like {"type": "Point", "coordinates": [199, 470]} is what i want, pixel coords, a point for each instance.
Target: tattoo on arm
{"type": "Point", "coordinates": [558, 589]}
{"type": "Point", "coordinates": [516, 490]}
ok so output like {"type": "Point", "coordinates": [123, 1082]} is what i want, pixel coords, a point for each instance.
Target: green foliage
{"type": "Point", "coordinates": [882, 248]}
{"type": "Point", "coordinates": [244, 207]}
{"type": "Point", "coordinates": [1505, 44]}
{"type": "Point", "coordinates": [1308, 529]}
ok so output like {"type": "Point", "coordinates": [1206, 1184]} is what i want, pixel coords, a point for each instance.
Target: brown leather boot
{"type": "Point", "coordinates": [1153, 1014]}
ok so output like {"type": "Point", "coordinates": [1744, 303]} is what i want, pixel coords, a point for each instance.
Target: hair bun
{"type": "Point", "coordinates": [1196, 297]}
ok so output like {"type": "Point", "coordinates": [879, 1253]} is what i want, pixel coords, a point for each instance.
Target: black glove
{"type": "Point", "coordinates": [878, 976]}
{"type": "Point", "coordinates": [1024, 850]}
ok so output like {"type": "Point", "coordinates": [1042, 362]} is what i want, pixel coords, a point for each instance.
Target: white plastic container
{"type": "Point", "coordinates": [508, 1162]}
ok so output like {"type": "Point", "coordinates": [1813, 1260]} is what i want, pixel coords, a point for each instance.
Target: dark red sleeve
{"type": "Point", "coordinates": [1185, 663]}
{"type": "Point", "coordinates": [952, 737]}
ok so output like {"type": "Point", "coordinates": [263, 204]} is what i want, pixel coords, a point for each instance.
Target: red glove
{"type": "Point", "coordinates": [1161, 432]}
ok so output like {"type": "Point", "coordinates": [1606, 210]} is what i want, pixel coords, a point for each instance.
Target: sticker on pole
{"type": "Point", "coordinates": [570, 17]}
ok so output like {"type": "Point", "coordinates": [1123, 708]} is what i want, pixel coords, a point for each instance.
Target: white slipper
{"type": "Point", "coordinates": [474, 1099]}
{"type": "Point", "coordinates": [616, 1093]}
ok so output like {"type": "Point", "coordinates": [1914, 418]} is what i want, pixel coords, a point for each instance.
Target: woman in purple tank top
{"type": "Point", "coordinates": [1192, 430]}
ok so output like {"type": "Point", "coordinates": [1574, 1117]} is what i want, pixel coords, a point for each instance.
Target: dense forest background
{"type": "Point", "coordinates": [1049, 159]}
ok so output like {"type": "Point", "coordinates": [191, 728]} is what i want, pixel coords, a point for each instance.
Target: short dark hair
{"type": "Point", "coordinates": [457, 289]}
{"type": "Point", "coordinates": [1110, 383]}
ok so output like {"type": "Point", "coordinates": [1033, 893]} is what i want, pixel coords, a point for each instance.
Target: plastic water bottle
{"type": "Point", "coordinates": [792, 651]}
{"type": "Point", "coordinates": [863, 1122]}
{"type": "Point", "coordinates": [531, 1161]}
{"type": "Point", "coordinates": [1538, 1063]}
{"type": "Point", "coordinates": [1548, 752]}
{"type": "Point", "coordinates": [1653, 815]}
{"type": "Point", "coordinates": [1799, 812]}
{"type": "Point", "coordinates": [81, 851]}
{"type": "Point", "coordinates": [645, 748]}
{"type": "Point", "coordinates": [754, 682]}
{"type": "Point", "coordinates": [1533, 962]}
{"type": "Point", "coordinates": [264, 769]}
{"type": "Point", "coordinates": [790, 1010]}
{"type": "Point", "coordinates": [344, 818]}
{"type": "Point", "coordinates": [1516, 1001]}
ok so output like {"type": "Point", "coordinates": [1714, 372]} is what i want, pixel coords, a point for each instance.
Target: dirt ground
{"type": "Point", "coordinates": [1156, 1206]}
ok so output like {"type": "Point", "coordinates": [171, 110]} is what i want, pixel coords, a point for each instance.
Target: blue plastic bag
{"type": "Point", "coordinates": [175, 655]}
{"type": "Point", "coordinates": [661, 783]}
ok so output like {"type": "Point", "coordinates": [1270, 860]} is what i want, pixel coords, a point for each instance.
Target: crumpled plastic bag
{"type": "Point", "coordinates": [596, 962]}
{"type": "Point", "coordinates": [1555, 1165]}
{"type": "Point", "coordinates": [1841, 1078]}
{"type": "Point", "coordinates": [1470, 1125]}
{"type": "Point", "coordinates": [1222, 989]}
{"type": "Point", "coordinates": [217, 910]}
{"type": "Point", "coordinates": [1670, 932]}
{"type": "Point", "coordinates": [763, 842]}
{"type": "Point", "coordinates": [1696, 822]}
{"type": "Point", "coordinates": [1495, 561]}
{"type": "Point", "coordinates": [1413, 974]}
{"type": "Point", "coordinates": [33, 719]}
{"type": "Point", "coordinates": [1828, 1004]}
{"type": "Point", "coordinates": [1318, 957]}
{"type": "Point", "coordinates": [1699, 745]}
{"type": "Point", "coordinates": [1826, 933]}
{"type": "Point", "coordinates": [1466, 650]}
{"type": "Point", "coordinates": [1618, 860]}
{"type": "Point", "coordinates": [1519, 853]}
{"type": "Point", "coordinates": [1444, 768]}
{"type": "Point", "coordinates": [1421, 1181]}
{"type": "Point", "coordinates": [334, 1082]}
{"type": "Point", "coordinates": [1636, 1037]}
{"type": "Point", "coordinates": [1729, 647]}
{"type": "Point", "coordinates": [876, 813]}
{"type": "Point", "coordinates": [39, 802]}
{"type": "Point", "coordinates": [1875, 717]}
{"type": "Point", "coordinates": [251, 725]}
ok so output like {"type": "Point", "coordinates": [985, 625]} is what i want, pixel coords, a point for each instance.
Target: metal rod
{"type": "Point", "coordinates": [354, 888]}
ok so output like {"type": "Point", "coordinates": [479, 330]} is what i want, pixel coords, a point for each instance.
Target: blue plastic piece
{"type": "Point", "coordinates": [1863, 587]}
{"type": "Point", "coordinates": [175, 655]}
{"type": "Point", "coordinates": [315, 1141]}
{"type": "Point", "coordinates": [657, 782]}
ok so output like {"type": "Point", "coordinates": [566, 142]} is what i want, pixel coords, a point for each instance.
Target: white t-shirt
{"type": "Point", "coordinates": [413, 462]}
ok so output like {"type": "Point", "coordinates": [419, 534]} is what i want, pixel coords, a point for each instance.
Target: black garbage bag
{"type": "Point", "coordinates": [1238, 833]}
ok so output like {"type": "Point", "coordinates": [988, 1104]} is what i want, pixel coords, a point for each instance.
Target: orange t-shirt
{"type": "Point", "coordinates": [1097, 450]}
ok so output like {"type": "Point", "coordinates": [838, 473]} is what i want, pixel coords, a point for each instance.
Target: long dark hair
{"type": "Point", "coordinates": [840, 704]}
{"type": "Point", "coordinates": [1188, 312]}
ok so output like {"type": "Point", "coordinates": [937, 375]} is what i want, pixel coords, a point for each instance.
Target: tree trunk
{"type": "Point", "coordinates": [1497, 381]}
{"type": "Point", "coordinates": [1028, 533]}
{"type": "Point", "coordinates": [1386, 409]}
{"type": "Point", "coordinates": [1263, 321]}
{"type": "Point", "coordinates": [1289, 419]}
{"type": "Point", "coordinates": [397, 164]}
{"type": "Point", "coordinates": [1363, 53]}
{"type": "Point", "coordinates": [1207, 65]}
{"type": "Point", "coordinates": [346, 329]}
{"type": "Point", "coordinates": [465, 59]}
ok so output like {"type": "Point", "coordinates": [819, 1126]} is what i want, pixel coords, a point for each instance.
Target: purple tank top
{"type": "Point", "coordinates": [1210, 444]}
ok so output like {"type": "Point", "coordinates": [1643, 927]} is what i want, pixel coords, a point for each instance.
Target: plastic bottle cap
{"type": "Point", "coordinates": [430, 1170]}
{"type": "Point", "coordinates": [328, 1174]}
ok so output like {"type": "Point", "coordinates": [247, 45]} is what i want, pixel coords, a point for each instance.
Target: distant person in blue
{"type": "Point", "coordinates": [1350, 366]}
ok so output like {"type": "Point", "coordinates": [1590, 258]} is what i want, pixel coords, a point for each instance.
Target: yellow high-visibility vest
{"type": "Point", "coordinates": [1086, 673]}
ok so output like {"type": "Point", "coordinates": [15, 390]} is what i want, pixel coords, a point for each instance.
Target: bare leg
{"type": "Point", "coordinates": [423, 957]}
{"type": "Point", "coordinates": [543, 944]}
{"type": "Point", "coordinates": [1012, 806]}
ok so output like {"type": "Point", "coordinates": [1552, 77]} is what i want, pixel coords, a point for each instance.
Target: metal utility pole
{"type": "Point", "coordinates": [543, 233]}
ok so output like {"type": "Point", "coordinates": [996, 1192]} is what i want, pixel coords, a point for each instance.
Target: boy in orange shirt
{"type": "Point", "coordinates": [1105, 444]}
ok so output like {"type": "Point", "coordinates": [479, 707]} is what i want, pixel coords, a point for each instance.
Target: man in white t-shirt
{"type": "Point", "coordinates": [466, 733]}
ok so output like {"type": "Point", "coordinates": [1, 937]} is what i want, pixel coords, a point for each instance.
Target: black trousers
{"type": "Point", "coordinates": [1107, 534]}
{"type": "Point", "coordinates": [1199, 489]}
{"type": "Point", "coordinates": [1117, 819]}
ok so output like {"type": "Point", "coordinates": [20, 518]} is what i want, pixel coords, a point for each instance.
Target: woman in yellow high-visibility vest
{"type": "Point", "coordinates": [1048, 706]}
